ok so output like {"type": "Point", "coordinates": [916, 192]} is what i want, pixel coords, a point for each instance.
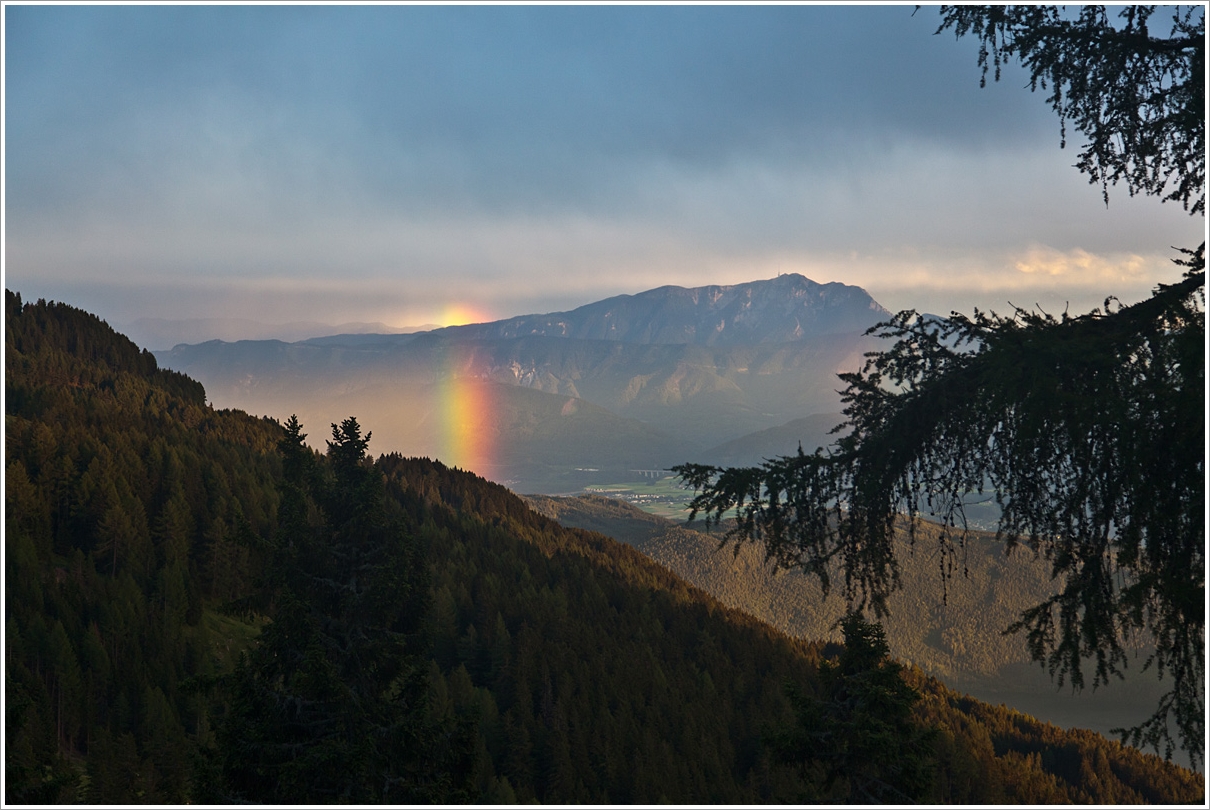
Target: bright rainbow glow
{"type": "Point", "coordinates": [468, 429]}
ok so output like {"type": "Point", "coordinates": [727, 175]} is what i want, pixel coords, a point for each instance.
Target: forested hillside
{"type": "Point", "coordinates": [125, 498]}
{"type": "Point", "coordinates": [949, 629]}
{"type": "Point", "coordinates": [560, 665]}
{"type": "Point", "coordinates": [952, 630]}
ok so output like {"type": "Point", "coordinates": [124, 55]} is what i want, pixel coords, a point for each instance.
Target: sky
{"type": "Point", "coordinates": [421, 164]}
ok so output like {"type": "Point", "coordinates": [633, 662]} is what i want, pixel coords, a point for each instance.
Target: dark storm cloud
{"type": "Point", "coordinates": [161, 158]}
{"type": "Point", "coordinates": [496, 106]}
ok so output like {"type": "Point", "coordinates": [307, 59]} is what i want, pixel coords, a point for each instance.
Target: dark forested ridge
{"type": "Point", "coordinates": [125, 500]}
{"type": "Point", "coordinates": [561, 665]}
{"type": "Point", "coordinates": [949, 629]}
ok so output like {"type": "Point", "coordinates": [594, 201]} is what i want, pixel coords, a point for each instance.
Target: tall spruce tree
{"type": "Point", "coordinates": [331, 705]}
{"type": "Point", "coordinates": [855, 741]}
{"type": "Point", "coordinates": [1088, 431]}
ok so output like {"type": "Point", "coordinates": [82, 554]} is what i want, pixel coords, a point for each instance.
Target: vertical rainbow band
{"type": "Point", "coordinates": [467, 410]}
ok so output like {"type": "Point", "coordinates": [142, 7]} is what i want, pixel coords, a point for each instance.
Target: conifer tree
{"type": "Point", "coordinates": [330, 706]}
{"type": "Point", "coordinates": [1087, 431]}
{"type": "Point", "coordinates": [856, 740]}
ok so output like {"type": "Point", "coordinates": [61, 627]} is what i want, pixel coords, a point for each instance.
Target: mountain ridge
{"type": "Point", "coordinates": [699, 389]}
{"type": "Point", "coordinates": [778, 310]}
{"type": "Point", "coordinates": [165, 333]}
{"type": "Point", "coordinates": [702, 394]}
{"type": "Point", "coordinates": [753, 449]}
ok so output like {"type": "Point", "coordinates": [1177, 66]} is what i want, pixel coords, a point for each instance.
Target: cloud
{"type": "Point", "coordinates": [495, 108]}
{"type": "Point", "coordinates": [381, 163]}
{"type": "Point", "coordinates": [1080, 266]}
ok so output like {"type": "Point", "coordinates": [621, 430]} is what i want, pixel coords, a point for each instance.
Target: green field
{"type": "Point", "coordinates": [665, 497]}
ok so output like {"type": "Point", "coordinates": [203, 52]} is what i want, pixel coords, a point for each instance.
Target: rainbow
{"type": "Point", "coordinates": [466, 407]}
{"type": "Point", "coordinates": [467, 435]}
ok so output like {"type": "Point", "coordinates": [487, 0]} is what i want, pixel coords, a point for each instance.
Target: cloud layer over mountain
{"type": "Point", "coordinates": [382, 163]}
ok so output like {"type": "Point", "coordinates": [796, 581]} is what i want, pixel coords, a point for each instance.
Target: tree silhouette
{"type": "Point", "coordinates": [856, 740]}
{"type": "Point", "coordinates": [1138, 98]}
{"type": "Point", "coordinates": [331, 705]}
{"type": "Point", "coordinates": [1088, 431]}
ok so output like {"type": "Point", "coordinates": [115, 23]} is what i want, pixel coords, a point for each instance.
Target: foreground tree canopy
{"type": "Point", "coordinates": [331, 704]}
{"type": "Point", "coordinates": [857, 741]}
{"type": "Point", "coordinates": [1088, 431]}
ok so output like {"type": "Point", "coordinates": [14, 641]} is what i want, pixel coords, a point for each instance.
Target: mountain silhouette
{"type": "Point", "coordinates": [786, 308]}
{"type": "Point", "coordinates": [681, 369]}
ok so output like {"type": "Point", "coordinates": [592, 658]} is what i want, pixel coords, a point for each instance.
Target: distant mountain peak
{"type": "Point", "coordinates": [161, 333]}
{"type": "Point", "coordinates": [785, 308]}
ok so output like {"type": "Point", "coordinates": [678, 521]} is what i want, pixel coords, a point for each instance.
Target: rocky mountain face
{"type": "Point", "coordinates": [682, 369]}
{"type": "Point", "coordinates": [787, 308]}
